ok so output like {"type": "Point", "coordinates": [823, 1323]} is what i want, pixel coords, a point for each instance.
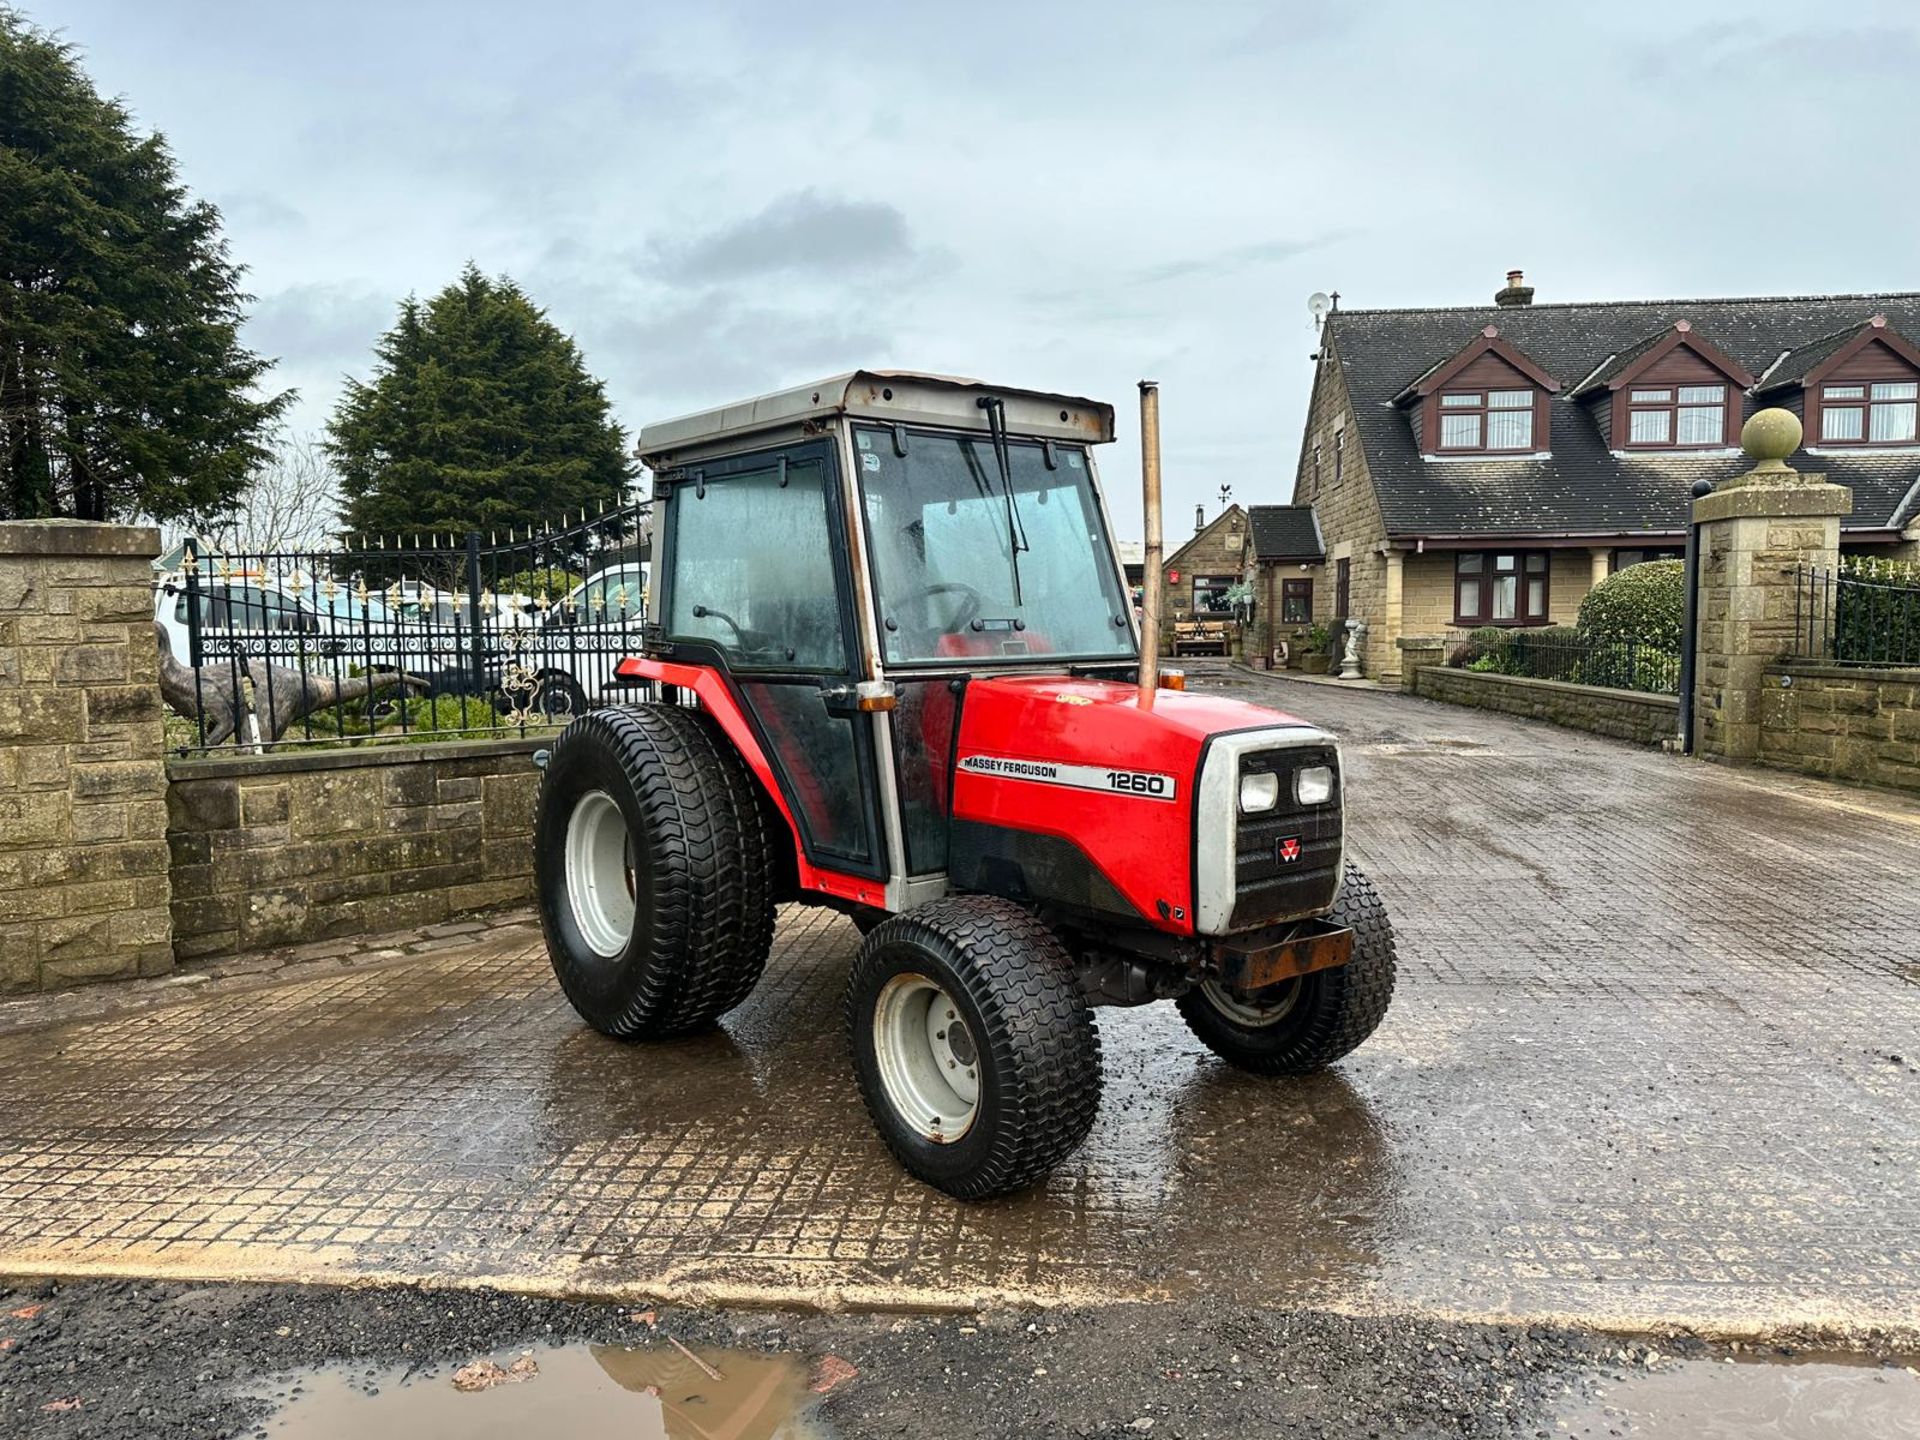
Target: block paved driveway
{"type": "Point", "coordinates": [1655, 1057]}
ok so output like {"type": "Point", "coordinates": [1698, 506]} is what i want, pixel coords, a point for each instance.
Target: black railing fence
{"type": "Point", "coordinates": [446, 637]}
{"type": "Point", "coordinates": [1558, 652]}
{"type": "Point", "coordinates": [1863, 613]}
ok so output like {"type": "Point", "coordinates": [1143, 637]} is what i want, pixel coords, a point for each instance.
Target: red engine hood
{"type": "Point", "coordinates": [1080, 760]}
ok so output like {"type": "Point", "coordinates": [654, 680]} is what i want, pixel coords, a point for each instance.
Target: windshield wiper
{"type": "Point", "coordinates": [996, 409]}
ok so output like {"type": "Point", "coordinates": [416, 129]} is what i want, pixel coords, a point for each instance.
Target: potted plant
{"type": "Point", "coordinates": [1314, 658]}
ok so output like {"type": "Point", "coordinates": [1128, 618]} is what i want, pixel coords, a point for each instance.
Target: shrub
{"type": "Point", "coordinates": [1643, 603]}
{"type": "Point", "coordinates": [1489, 643]}
{"type": "Point", "coordinates": [1546, 652]}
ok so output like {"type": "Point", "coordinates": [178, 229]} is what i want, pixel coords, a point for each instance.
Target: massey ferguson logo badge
{"type": "Point", "coordinates": [1290, 850]}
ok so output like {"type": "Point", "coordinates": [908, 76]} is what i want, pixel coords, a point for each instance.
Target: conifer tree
{"type": "Point", "coordinates": [479, 415]}
{"type": "Point", "coordinates": [124, 388]}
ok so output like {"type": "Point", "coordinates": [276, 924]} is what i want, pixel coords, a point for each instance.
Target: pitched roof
{"type": "Point", "coordinates": [1179, 553]}
{"type": "Point", "coordinates": [1581, 488]}
{"type": "Point", "coordinates": [1285, 532]}
{"type": "Point", "coordinates": [1622, 367]}
{"type": "Point", "coordinates": [1810, 361]}
{"type": "Point", "coordinates": [1488, 340]}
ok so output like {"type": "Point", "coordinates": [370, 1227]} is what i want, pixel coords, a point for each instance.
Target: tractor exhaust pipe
{"type": "Point", "coordinates": [1150, 596]}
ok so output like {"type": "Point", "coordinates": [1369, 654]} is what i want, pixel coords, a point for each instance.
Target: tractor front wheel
{"type": "Point", "coordinates": [974, 1048]}
{"type": "Point", "coordinates": [652, 868]}
{"type": "Point", "coordinates": [1310, 1021]}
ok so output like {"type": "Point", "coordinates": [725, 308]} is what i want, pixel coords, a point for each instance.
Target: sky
{"type": "Point", "coordinates": [721, 199]}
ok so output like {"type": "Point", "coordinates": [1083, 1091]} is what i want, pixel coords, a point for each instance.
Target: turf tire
{"type": "Point", "coordinates": [1038, 1045]}
{"type": "Point", "coordinates": [1332, 1012]}
{"type": "Point", "coordinates": [701, 882]}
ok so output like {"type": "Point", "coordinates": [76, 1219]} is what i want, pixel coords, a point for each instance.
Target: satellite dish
{"type": "Point", "coordinates": [1319, 305]}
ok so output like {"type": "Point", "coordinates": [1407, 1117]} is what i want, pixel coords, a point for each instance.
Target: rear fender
{"type": "Point", "coordinates": [717, 700]}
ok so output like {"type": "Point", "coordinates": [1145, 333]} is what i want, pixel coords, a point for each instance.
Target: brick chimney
{"type": "Point", "coordinates": [1517, 291]}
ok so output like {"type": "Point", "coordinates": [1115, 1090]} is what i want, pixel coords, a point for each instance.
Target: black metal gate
{"type": "Point", "coordinates": [443, 638]}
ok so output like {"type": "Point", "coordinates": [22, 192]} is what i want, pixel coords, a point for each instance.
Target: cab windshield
{"type": "Point", "coordinates": [962, 569]}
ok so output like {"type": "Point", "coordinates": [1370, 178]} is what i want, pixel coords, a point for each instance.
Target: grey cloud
{"type": "Point", "coordinates": [1736, 54]}
{"type": "Point", "coordinates": [320, 325]}
{"type": "Point", "coordinates": [254, 210]}
{"type": "Point", "coordinates": [802, 232]}
{"type": "Point", "coordinates": [1235, 258]}
{"type": "Point", "coordinates": [716, 348]}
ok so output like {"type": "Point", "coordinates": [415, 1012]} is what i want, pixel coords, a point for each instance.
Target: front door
{"type": "Point", "coordinates": [756, 584]}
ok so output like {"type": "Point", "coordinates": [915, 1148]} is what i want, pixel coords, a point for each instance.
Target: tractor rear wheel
{"type": "Point", "coordinates": [974, 1047]}
{"type": "Point", "coordinates": [652, 865]}
{"type": "Point", "coordinates": [1306, 1023]}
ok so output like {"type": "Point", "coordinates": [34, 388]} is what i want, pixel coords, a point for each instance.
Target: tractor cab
{"type": "Point", "coordinates": [890, 665]}
{"type": "Point", "coordinates": [844, 557]}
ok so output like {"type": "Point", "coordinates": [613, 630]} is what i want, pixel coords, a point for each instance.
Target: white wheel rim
{"type": "Point", "coordinates": [600, 878]}
{"type": "Point", "coordinates": [928, 1058]}
{"type": "Point", "coordinates": [1244, 1012]}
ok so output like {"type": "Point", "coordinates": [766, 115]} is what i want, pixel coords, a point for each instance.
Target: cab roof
{"type": "Point", "coordinates": [903, 397]}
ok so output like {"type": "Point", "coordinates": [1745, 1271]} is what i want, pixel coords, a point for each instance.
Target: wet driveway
{"type": "Point", "coordinates": [1655, 1057]}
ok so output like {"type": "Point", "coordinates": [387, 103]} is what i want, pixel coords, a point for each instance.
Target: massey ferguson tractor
{"type": "Point", "coordinates": [891, 666]}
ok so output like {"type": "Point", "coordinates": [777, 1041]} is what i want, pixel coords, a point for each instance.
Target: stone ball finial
{"type": "Point", "coordinates": [1769, 437]}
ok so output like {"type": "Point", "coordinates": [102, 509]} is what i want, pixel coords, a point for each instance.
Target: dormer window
{"type": "Point", "coordinates": [1861, 386]}
{"type": "Point", "coordinates": [1488, 398]}
{"type": "Point", "coordinates": [1673, 390]}
{"type": "Point", "coordinates": [1870, 413]}
{"type": "Point", "coordinates": [1681, 416]}
{"type": "Point", "coordinates": [1486, 420]}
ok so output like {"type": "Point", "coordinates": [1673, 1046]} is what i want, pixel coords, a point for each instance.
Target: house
{"type": "Point", "coordinates": [1197, 616]}
{"type": "Point", "coordinates": [1486, 465]}
{"type": "Point", "coordinates": [1289, 560]}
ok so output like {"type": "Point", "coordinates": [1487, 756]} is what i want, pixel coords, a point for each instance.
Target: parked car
{"type": "Point", "coordinates": [572, 653]}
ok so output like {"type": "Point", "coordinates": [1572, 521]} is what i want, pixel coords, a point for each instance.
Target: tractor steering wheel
{"type": "Point", "coordinates": [968, 610]}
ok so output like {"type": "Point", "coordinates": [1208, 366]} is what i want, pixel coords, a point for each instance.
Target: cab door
{"type": "Point", "coordinates": [755, 582]}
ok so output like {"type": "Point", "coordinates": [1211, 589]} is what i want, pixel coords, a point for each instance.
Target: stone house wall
{"type": "Point", "coordinates": [1223, 546]}
{"type": "Point", "coordinates": [1426, 606]}
{"type": "Point", "coordinates": [1844, 722]}
{"type": "Point", "coordinates": [83, 858]}
{"type": "Point", "coordinates": [1622, 714]}
{"type": "Point", "coordinates": [282, 848]}
{"type": "Point", "coordinates": [1269, 595]}
{"type": "Point", "coordinates": [1341, 492]}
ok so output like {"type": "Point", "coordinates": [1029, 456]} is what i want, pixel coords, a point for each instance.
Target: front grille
{"type": "Point", "coordinates": [1268, 889]}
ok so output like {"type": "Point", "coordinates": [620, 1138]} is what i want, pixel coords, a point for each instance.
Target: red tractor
{"type": "Point", "coordinates": [893, 668]}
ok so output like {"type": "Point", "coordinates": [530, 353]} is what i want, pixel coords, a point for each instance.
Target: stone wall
{"type": "Point", "coordinates": [1622, 714]}
{"type": "Point", "coordinates": [1844, 722]}
{"type": "Point", "coordinates": [1341, 493]}
{"type": "Point", "coordinates": [284, 848]}
{"type": "Point", "coordinates": [83, 859]}
{"type": "Point", "coordinates": [1223, 546]}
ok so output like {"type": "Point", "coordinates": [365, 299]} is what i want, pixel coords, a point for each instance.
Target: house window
{"type": "Point", "coordinates": [1342, 588]}
{"type": "Point", "coordinates": [1296, 602]}
{"type": "Point", "coordinates": [1677, 416]}
{"type": "Point", "coordinates": [1500, 587]}
{"type": "Point", "coordinates": [1486, 420]}
{"type": "Point", "coordinates": [1624, 558]}
{"type": "Point", "coordinates": [1339, 455]}
{"type": "Point", "coordinates": [1316, 468]}
{"type": "Point", "coordinates": [1210, 594]}
{"type": "Point", "coordinates": [1881, 412]}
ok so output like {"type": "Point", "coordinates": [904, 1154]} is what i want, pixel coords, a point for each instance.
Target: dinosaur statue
{"type": "Point", "coordinates": [292, 692]}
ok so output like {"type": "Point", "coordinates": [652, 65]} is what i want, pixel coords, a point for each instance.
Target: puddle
{"type": "Point", "coordinates": [580, 1391]}
{"type": "Point", "coordinates": [1764, 1398]}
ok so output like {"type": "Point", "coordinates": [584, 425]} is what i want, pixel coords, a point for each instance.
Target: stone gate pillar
{"type": "Point", "coordinates": [1756, 530]}
{"type": "Point", "coordinates": [83, 787]}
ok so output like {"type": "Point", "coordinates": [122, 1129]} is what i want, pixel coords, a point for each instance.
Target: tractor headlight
{"type": "Point", "coordinates": [1312, 784]}
{"type": "Point", "coordinates": [1259, 792]}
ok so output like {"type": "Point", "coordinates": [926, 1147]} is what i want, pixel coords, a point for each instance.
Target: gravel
{"type": "Point", "coordinates": [160, 1360]}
